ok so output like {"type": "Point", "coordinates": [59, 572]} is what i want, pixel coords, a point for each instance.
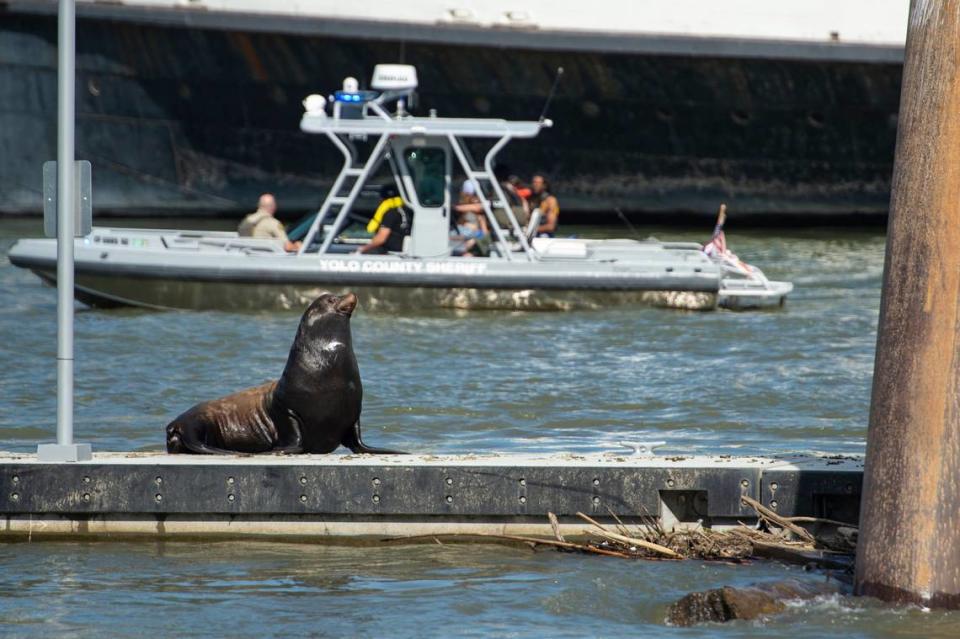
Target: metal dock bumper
{"type": "Point", "coordinates": [363, 496]}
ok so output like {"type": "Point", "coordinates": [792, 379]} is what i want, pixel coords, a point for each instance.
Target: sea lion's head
{"type": "Point", "coordinates": [322, 351]}
{"type": "Point", "coordinates": [323, 336]}
{"type": "Point", "coordinates": [328, 311]}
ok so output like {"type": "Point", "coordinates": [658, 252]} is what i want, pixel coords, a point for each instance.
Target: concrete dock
{"type": "Point", "coordinates": [365, 496]}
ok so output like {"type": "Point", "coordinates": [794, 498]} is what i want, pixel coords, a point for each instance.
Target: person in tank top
{"type": "Point", "coordinates": [549, 207]}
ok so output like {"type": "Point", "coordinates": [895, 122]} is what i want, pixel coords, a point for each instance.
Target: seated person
{"type": "Point", "coordinates": [393, 225]}
{"type": "Point", "coordinates": [547, 203]}
{"type": "Point", "coordinates": [262, 224]}
{"type": "Point", "coordinates": [518, 206]}
{"type": "Point", "coordinates": [389, 199]}
{"type": "Point", "coordinates": [513, 191]}
{"type": "Point", "coordinates": [521, 190]}
{"type": "Point", "coordinates": [472, 230]}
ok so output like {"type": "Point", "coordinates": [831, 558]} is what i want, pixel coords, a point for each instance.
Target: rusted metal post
{"type": "Point", "coordinates": [909, 548]}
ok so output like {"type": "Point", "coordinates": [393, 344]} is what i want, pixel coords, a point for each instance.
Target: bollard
{"type": "Point", "coordinates": [909, 545]}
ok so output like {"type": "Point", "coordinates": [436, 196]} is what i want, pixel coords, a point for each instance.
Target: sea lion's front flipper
{"type": "Point", "coordinates": [293, 444]}
{"type": "Point", "coordinates": [352, 441]}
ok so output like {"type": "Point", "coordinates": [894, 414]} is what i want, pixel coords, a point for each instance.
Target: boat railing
{"type": "Point", "coordinates": [334, 198]}
{"type": "Point", "coordinates": [487, 178]}
{"type": "Point", "coordinates": [344, 193]}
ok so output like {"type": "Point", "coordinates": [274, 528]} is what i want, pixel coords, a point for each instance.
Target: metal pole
{"type": "Point", "coordinates": [910, 518]}
{"type": "Point", "coordinates": [65, 449]}
{"type": "Point", "coordinates": [66, 81]}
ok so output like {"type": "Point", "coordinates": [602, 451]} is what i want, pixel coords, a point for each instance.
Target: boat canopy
{"type": "Point", "coordinates": [420, 152]}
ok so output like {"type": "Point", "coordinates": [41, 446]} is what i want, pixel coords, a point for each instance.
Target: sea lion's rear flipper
{"type": "Point", "coordinates": [200, 448]}
{"type": "Point", "coordinates": [352, 441]}
{"type": "Point", "coordinates": [182, 439]}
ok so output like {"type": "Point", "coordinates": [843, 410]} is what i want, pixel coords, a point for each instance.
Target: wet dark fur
{"type": "Point", "coordinates": [313, 408]}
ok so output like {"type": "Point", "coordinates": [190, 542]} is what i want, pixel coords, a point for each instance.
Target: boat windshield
{"type": "Point", "coordinates": [428, 169]}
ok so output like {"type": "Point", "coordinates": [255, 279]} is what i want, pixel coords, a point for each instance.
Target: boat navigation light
{"type": "Point", "coordinates": [350, 85]}
{"type": "Point", "coordinates": [315, 104]}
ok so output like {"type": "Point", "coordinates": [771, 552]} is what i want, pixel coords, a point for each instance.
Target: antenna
{"type": "Point", "coordinates": [630, 226]}
{"type": "Point", "coordinates": [553, 90]}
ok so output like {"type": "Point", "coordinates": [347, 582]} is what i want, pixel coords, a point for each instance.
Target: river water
{"type": "Point", "coordinates": [792, 380]}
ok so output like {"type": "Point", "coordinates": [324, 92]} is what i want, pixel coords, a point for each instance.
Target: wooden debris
{"type": "Point", "coordinates": [556, 526]}
{"type": "Point", "coordinates": [632, 541]}
{"type": "Point", "coordinates": [775, 537]}
{"type": "Point", "coordinates": [783, 522]}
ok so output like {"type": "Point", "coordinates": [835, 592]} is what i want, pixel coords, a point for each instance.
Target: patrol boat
{"type": "Point", "coordinates": [171, 269]}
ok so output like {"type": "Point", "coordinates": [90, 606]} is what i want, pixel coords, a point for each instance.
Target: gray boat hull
{"type": "Point", "coordinates": [167, 294]}
{"type": "Point", "coordinates": [177, 270]}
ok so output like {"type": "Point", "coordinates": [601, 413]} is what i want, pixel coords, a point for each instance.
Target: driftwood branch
{"type": "Point", "coordinates": [633, 541]}
{"type": "Point", "coordinates": [820, 520]}
{"type": "Point", "coordinates": [556, 526]}
{"type": "Point", "coordinates": [783, 522]}
{"type": "Point", "coordinates": [533, 541]}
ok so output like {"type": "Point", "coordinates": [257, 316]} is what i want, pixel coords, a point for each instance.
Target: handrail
{"type": "Point", "coordinates": [337, 183]}
{"type": "Point", "coordinates": [361, 174]}
{"type": "Point", "coordinates": [488, 164]}
{"type": "Point", "coordinates": [484, 202]}
{"type": "Point", "coordinates": [354, 191]}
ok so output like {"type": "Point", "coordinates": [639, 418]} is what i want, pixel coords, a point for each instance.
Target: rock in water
{"type": "Point", "coordinates": [728, 603]}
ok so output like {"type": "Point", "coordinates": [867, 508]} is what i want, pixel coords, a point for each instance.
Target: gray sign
{"type": "Point", "coordinates": [83, 192]}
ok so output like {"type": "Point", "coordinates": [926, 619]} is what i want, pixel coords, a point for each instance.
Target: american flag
{"type": "Point", "coordinates": [717, 246]}
{"type": "Point", "coordinates": [718, 243]}
{"type": "Point", "coordinates": [717, 249]}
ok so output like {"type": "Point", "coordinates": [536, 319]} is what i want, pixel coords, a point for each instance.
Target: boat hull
{"type": "Point", "coordinates": [104, 291]}
{"type": "Point", "coordinates": [162, 269]}
{"type": "Point", "coordinates": [775, 296]}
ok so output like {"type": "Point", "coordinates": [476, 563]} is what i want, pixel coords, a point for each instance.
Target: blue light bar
{"type": "Point", "coordinates": [355, 97]}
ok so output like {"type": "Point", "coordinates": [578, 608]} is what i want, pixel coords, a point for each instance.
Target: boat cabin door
{"type": "Point", "coordinates": [424, 165]}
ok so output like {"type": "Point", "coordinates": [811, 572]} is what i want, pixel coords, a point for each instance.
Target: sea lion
{"type": "Point", "coordinates": [313, 408]}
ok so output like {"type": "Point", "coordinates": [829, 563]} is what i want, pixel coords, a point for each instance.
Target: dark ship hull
{"type": "Point", "coordinates": [200, 121]}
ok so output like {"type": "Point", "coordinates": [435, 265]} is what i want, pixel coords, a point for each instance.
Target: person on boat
{"type": "Point", "coordinates": [546, 201]}
{"type": "Point", "coordinates": [389, 199]}
{"type": "Point", "coordinates": [472, 231]}
{"type": "Point", "coordinates": [390, 224]}
{"type": "Point", "coordinates": [512, 189]}
{"type": "Point", "coordinates": [262, 224]}
{"type": "Point", "coordinates": [516, 202]}
{"type": "Point", "coordinates": [522, 191]}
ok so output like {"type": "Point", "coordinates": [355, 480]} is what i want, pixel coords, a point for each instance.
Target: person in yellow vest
{"type": "Point", "coordinates": [262, 224]}
{"type": "Point", "coordinates": [389, 224]}
{"type": "Point", "coordinates": [390, 199]}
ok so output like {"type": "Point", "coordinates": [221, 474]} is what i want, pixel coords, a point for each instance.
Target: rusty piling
{"type": "Point", "coordinates": [909, 548]}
